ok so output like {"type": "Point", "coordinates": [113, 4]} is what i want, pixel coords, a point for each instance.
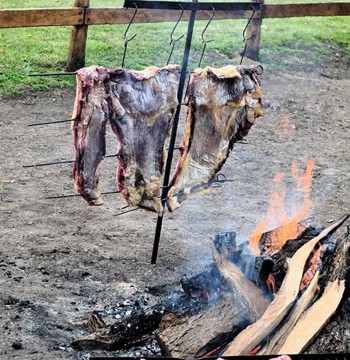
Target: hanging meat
{"type": "Point", "coordinates": [91, 112]}
{"type": "Point", "coordinates": [140, 107]}
{"type": "Point", "coordinates": [222, 106]}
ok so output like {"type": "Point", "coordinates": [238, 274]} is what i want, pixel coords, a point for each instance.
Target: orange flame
{"type": "Point", "coordinates": [286, 225]}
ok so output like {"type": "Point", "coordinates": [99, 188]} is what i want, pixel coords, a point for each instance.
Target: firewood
{"type": "Point", "coordinates": [249, 297]}
{"type": "Point", "coordinates": [183, 336]}
{"type": "Point", "coordinates": [315, 318]}
{"type": "Point", "coordinates": [249, 338]}
{"type": "Point", "coordinates": [279, 338]}
{"type": "Point", "coordinates": [202, 334]}
{"type": "Point", "coordinates": [121, 334]}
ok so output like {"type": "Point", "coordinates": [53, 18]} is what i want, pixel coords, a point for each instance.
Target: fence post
{"type": "Point", "coordinates": [253, 34]}
{"type": "Point", "coordinates": [77, 44]}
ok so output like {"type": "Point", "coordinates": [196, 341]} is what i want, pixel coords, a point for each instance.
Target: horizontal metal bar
{"type": "Point", "coordinates": [77, 195]}
{"type": "Point", "coordinates": [51, 122]}
{"type": "Point", "coordinates": [50, 163]}
{"type": "Point", "coordinates": [61, 162]}
{"type": "Point", "coordinates": [53, 74]}
{"type": "Point", "coordinates": [127, 211]}
{"type": "Point", "coordinates": [201, 6]}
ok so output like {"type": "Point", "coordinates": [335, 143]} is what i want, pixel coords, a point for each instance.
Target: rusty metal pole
{"type": "Point", "coordinates": [77, 44]}
{"type": "Point", "coordinates": [254, 34]}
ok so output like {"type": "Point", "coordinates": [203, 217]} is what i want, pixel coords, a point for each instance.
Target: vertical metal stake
{"type": "Point", "coordinates": [174, 130]}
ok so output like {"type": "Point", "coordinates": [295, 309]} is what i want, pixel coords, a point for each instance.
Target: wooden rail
{"type": "Point", "coordinates": [99, 16]}
{"type": "Point", "coordinates": [81, 16]}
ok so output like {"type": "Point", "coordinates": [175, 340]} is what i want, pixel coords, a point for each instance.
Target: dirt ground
{"type": "Point", "coordinates": [60, 259]}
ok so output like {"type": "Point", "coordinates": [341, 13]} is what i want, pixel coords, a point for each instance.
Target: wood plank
{"type": "Point", "coordinates": [249, 338]}
{"type": "Point", "coordinates": [41, 17]}
{"type": "Point", "coordinates": [101, 16]}
{"type": "Point", "coordinates": [301, 10]}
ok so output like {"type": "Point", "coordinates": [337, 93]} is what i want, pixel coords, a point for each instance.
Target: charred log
{"type": "Point", "coordinates": [120, 335]}
{"type": "Point", "coordinates": [204, 333]}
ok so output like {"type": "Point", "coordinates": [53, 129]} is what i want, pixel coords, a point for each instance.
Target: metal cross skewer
{"type": "Point", "coordinates": [127, 211]}
{"type": "Point", "coordinates": [52, 122]}
{"type": "Point", "coordinates": [53, 74]}
{"type": "Point", "coordinates": [50, 163]}
{"type": "Point", "coordinates": [77, 195]}
{"type": "Point", "coordinates": [62, 162]}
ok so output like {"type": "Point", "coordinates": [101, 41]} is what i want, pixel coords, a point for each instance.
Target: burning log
{"type": "Point", "coordinates": [250, 298]}
{"type": "Point", "coordinates": [183, 336]}
{"type": "Point", "coordinates": [222, 312]}
{"type": "Point", "coordinates": [321, 311]}
{"type": "Point", "coordinates": [251, 337]}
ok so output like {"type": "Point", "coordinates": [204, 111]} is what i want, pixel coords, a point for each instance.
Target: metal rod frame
{"type": "Point", "coordinates": [193, 6]}
{"type": "Point", "coordinates": [180, 92]}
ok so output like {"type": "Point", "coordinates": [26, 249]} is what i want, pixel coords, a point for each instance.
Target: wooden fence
{"type": "Point", "coordinates": [80, 16]}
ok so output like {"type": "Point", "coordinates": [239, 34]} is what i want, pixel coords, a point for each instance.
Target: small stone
{"type": "Point", "coordinates": [17, 345]}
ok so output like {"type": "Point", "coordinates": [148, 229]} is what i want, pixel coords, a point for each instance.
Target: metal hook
{"type": "Point", "coordinates": [218, 180]}
{"type": "Point", "coordinates": [173, 41]}
{"type": "Point", "coordinates": [244, 31]}
{"type": "Point", "coordinates": [204, 41]}
{"type": "Point", "coordinates": [126, 40]}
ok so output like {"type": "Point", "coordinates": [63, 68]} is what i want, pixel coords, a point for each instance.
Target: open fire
{"type": "Point", "coordinates": [287, 226]}
{"type": "Point", "coordinates": [222, 312]}
{"type": "Point", "coordinates": [228, 311]}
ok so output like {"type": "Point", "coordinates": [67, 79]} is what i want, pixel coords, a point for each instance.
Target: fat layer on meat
{"type": "Point", "coordinates": [142, 107]}
{"type": "Point", "coordinates": [222, 106]}
{"type": "Point", "coordinates": [91, 111]}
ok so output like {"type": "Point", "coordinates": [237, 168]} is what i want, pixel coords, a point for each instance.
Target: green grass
{"type": "Point", "coordinates": [284, 42]}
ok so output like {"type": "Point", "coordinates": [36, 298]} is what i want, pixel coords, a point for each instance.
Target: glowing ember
{"type": "Point", "coordinates": [315, 264]}
{"type": "Point", "coordinates": [271, 283]}
{"type": "Point", "coordinates": [287, 225]}
{"type": "Point", "coordinates": [254, 351]}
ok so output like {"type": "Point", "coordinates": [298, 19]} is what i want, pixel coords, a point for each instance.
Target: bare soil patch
{"type": "Point", "coordinates": [60, 259]}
